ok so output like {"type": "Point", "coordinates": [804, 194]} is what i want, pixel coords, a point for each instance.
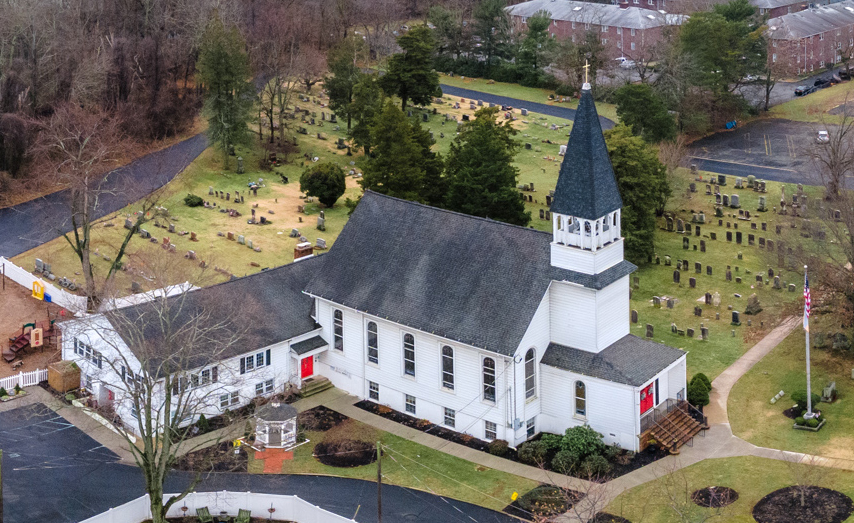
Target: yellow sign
{"type": "Point", "coordinates": [36, 338]}
{"type": "Point", "coordinates": [514, 496]}
{"type": "Point", "coordinates": [38, 290]}
{"type": "Point", "coordinates": [237, 443]}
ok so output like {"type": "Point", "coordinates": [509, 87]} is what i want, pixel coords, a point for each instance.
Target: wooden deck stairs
{"type": "Point", "coordinates": [676, 429]}
{"type": "Point", "coordinates": [314, 385]}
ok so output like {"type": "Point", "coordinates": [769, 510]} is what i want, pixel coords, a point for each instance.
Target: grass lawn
{"type": "Point", "coordinates": [753, 479]}
{"type": "Point", "coordinates": [415, 466]}
{"type": "Point", "coordinates": [755, 419]}
{"type": "Point", "coordinates": [814, 107]}
{"type": "Point", "coordinates": [531, 94]}
{"type": "Point", "coordinates": [723, 348]}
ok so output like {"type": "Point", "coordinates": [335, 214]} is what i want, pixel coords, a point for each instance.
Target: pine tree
{"type": "Point", "coordinates": [366, 105]}
{"type": "Point", "coordinates": [224, 70]}
{"type": "Point", "coordinates": [410, 74]}
{"type": "Point", "coordinates": [345, 75]}
{"type": "Point", "coordinates": [480, 175]}
{"type": "Point", "coordinates": [641, 178]}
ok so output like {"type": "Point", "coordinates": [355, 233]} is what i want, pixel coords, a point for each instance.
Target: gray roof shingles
{"type": "Point", "coordinates": [629, 360]}
{"type": "Point", "coordinates": [812, 21]}
{"type": "Point", "coordinates": [468, 279]}
{"type": "Point", "coordinates": [586, 186]}
{"type": "Point", "coordinates": [315, 342]}
{"type": "Point", "coordinates": [597, 14]}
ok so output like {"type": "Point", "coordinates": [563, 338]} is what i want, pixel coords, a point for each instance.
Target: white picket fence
{"type": "Point", "coordinates": [287, 508]}
{"type": "Point", "coordinates": [24, 379]}
{"type": "Point", "coordinates": [63, 298]}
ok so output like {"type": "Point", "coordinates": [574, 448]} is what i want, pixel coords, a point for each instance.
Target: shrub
{"type": "Point", "coordinates": [18, 388]}
{"type": "Point", "coordinates": [565, 461]}
{"type": "Point", "coordinates": [800, 397]}
{"type": "Point", "coordinates": [812, 422]}
{"type": "Point", "coordinates": [3, 392]}
{"type": "Point", "coordinates": [698, 393]}
{"type": "Point", "coordinates": [702, 377]}
{"type": "Point", "coordinates": [595, 466]}
{"type": "Point", "coordinates": [583, 442]}
{"type": "Point", "coordinates": [191, 200]}
{"type": "Point", "coordinates": [325, 181]}
{"type": "Point", "coordinates": [533, 453]}
{"type": "Point", "coordinates": [800, 420]}
{"type": "Point", "coordinates": [203, 424]}
{"type": "Point", "coordinates": [841, 342]}
{"type": "Point", "coordinates": [498, 447]}
{"type": "Point", "coordinates": [612, 452]}
{"type": "Point", "coordinates": [552, 441]}
{"type": "Point", "coordinates": [545, 499]}
{"type": "Point", "coordinates": [565, 90]}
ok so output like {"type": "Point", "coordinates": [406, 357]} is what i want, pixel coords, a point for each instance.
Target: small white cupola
{"type": "Point", "coordinates": [586, 205]}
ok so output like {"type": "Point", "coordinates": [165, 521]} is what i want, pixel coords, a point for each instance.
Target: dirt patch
{"type": "Point", "coordinates": [604, 517]}
{"type": "Point", "coordinates": [19, 308]}
{"type": "Point", "coordinates": [714, 497]}
{"type": "Point", "coordinates": [821, 505]}
{"type": "Point", "coordinates": [847, 108]}
{"type": "Point", "coordinates": [348, 444]}
{"type": "Point", "coordinates": [319, 419]}
{"type": "Point", "coordinates": [216, 458]}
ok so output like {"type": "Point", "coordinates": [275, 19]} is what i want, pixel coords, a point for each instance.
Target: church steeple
{"type": "Point", "coordinates": [586, 205]}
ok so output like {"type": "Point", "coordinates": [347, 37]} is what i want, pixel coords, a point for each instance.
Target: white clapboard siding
{"type": "Point", "coordinates": [585, 261]}
{"type": "Point", "coordinates": [572, 310]}
{"type": "Point", "coordinates": [24, 379]}
{"type": "Point", "coordinates": [536, 337]}
{"type": "Point", "coordinates": [676, 379]}
{"type": "Point", "coordinates": [612, 313]}
{"type": "Point", "coordinates": [344, 369]}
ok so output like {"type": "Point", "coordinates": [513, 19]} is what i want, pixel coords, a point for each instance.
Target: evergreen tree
{"type": "Point", "coordinates": [536, 48]}
{"type": "Point", "coordinates": [492, 26]}
{"type": "Point", "coordinates": [481, 177]}
{"type": "Point", "coordinates": [396, 166]}
{"type": "Point", "coordinates": [639, 107]}
{"type": "Point", "coordinates": [433, 184]}
{"type": "Point", "coordinates": [325, 181]}
{"type": "Point", "coordinates": [367, 103]}
{"type": "Point", "coordinates": [641, 178]}
{"type": "Point", "coordinates": [224, 70]}
{"type": "Point", "coordinates": [345, 75]}
{"type": "Point", "coordinates": [410, 74]}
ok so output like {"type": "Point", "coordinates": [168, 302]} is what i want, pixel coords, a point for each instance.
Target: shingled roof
{"type": "Point", "coordinates": [241, 315]}
{"type": "Point", "coordinates": [586, 186]}
{"type": "Point", "coordinates": [596, 14]}
{"type": "Point", "coordinates": [468, 279]}
{"type": "Point", "coordinates": [629, 360]}
{"type": "Point", "coordinates": [813, 21]}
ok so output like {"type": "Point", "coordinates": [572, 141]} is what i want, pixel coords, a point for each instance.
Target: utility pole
{"type": "Point", "coordinates": [379, 484]}
{"type": "Point", "coordinates": [1, 486]}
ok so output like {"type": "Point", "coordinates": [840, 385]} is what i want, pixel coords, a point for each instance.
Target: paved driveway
{"type": "Point", "coordinates": [54, 473]}
{"type": "Point", "coordinates": [33, 223]}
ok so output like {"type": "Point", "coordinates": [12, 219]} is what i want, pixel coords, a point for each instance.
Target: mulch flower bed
{"type": "Point", "coordinates": [346, 453]}
{"type": "Point", "coordinates": [431, 428]}
{"type": "Point", "coordinates": [216, 458]}
{"type": "Point", "coordinates": [714, 497]}
{"type": "Point", "coordinates": [821, 505]}
{"type": "Point", "coordinates": [319, 419]}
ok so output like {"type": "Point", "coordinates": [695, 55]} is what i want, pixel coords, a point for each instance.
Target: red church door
{"type": "Point", "coordinates": [647, 398]}
{"type": "Point", "coordinates": [307, 367]}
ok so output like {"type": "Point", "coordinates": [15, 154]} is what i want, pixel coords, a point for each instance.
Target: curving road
{"type": "Point", "coordinates": [53, 472]}
{"type": "Point", "coordinates": [32, 223]}
{"type": "Point", "coordinates": [550, 110]}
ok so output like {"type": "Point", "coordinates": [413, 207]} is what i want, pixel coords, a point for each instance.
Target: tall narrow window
{"type": "Point", "coordinates": [448, 367]}
{"type": "Point", "coordinates": [489, 379]}
{"type": "Point", "coordinates": [580, 399]}
{"type": "Point", "coordinates": [373, 343]}
{"type": "Point", "coordinates": [530, 374]}
{"type": "Point", "coordinates": [409, 355]}
{"type": "Point", "coordinates": [338, 326]}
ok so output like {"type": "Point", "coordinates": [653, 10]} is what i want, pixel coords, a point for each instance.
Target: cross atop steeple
{"type": "Point", "coordinates": [586, 67]}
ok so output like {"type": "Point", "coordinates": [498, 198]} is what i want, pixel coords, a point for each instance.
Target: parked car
{"type": "Point", "coordinates": [803, 90]}
{"type": "Point", "coordinates": [822, 137]}
{"type": "Point", "coordinates": [625, 63]}
{"type": "Point", "coordinates": [822, 83]}
{"type": "Point", "coordinates": [843, 74]}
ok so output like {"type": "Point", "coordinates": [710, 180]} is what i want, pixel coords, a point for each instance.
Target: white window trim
{"type": "Point", "coordinates": [451, 390]}
{"type": "Point", "coordinates": [486, 430]}
{"type": "Point", "coordinates": [367, 344]}
{"type": "Point", "coordinates": [483, 397]}
{"type": "Point", "coordinates": [372, 384]}
{"type": "Point", "coordinates": [403, 356]}
{"type": "Point", "coordinates": [335, 335]}
{"type": "Point", "coordinates": [407, 403]}
{"type": "Point", "coordinates": [453, 417]}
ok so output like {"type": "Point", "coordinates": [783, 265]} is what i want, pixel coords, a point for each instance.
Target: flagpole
{"type": "Point", "coordinates": [809, 413]}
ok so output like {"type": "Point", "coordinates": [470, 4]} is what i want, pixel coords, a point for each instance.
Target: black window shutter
{"type": "Point", "coordinates": [656, 391]}
{"type": "Point", "coordinates": [123, 373]}
{"type": "Point", "coordinates": [268, 357]}
{"type": "Point", "coordinates": [242, 365]}
{"type": "Point", "coordinates": [214, 374]}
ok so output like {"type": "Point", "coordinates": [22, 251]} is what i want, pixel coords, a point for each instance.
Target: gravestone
{"type": "Point", "coordinates": [718, 199]}
{"type": "Point", "coordinates": [685, 243]}
{"type": "Point", "coordinates": [738, 279]}
{"type": "Point", "coordinates": [708, 190]}
{"type": "Point", "coordinates": [751, 239]}
{"type": "Point", "coordinates": [761, 242]}
{"type": "Point", "coordinates": [721, 179]}
{"type": "Point", "coordinates": [321, 223]}
{"type": "Point", "coordinates": [738, 237]}
{"type": "Point", "coordinates": [676, 275]}
{"type": "Point", "coordinates": [692, 187]}
{"type": "Point", "coordinates": [680, 226]}
{"type": "Point", "coordinates": [777, 283]}
{"type": "Point", "coordinates": [736, 318]}
{"type": "Point", "coordinates": [649, 330]}
{"type": "Point", "coordinates": [725, 200]}
{"type": "Point", "coordinates": [702, 245]}
{"type": "Point", "coordinates": [707, 298]}
{"type": "Point", "coordinates": [708, 270]}
{"type": "Point", "coordinates": [671, 303]}
{"type": "Point", "coordinates": [667, 261]}
{"type": "Point", "coordinates": [542, 214]}
{"type": "Point", "coordinates": [696, 230]}
{"type": "Point", "coordinates": [144, 234]}
{"type": "Point", "coordinates": [770, 272]}
{"type": "Point", "coordinates": [778, 229]}
{"type": "Point", "coordinates": [734, 201]}
{"type": "Point", "coordinates": [704, 333]}
{"type": "Point", "coordinates": [294, 233]}
{"type": "Point", "coordinates": [729, 236]}
{"type": "Point", "coordinates": [656, 302]}
{"type": "Point", "coordinates": [241, 239]}
{"type": "Point", "coordinates": [172, 228]}
{"type": "Point", "coordinates": [690, 332]}
{"type": "Point", "coordinates": [770, 245]}
{"type": "Point", "coordinates": [728, 275]}
{"type": "Point", "coordinates": [698, 267]}
{"type": "Point", "coordinates": [792, 287]}
{"type": "Point", "coordinates": [762, 204]}
{"type": "Point", "coordinates": [713, 235]}
{"type": "Point", "coordinates": [128, 224]}
{"type": "Point", "coordinates": [692, 282]}
{"type": "Point", "coordinates": [230, 235]}
{"type": "Point", "coordinates": [669, 224]}
{"type": "Point", "coordinates": [738, 183]}
{"type": "Point", "coordinates": [634, 316]}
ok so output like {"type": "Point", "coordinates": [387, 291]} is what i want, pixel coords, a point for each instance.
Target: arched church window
{"type": "Point", "coordinates": [530, 374]}
{"type": "Point", "coordinates": [489, 379]}
{"type": "Point", "coordinates": [580, 399]}
{"type": "Point", "coordinates": [338, 329]}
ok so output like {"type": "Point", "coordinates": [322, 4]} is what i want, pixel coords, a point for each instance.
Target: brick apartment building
{"type": "Point", "coordinates": [623, 29]}
{"type": "Point", "coordinates": [812, 39]}
{"type": "Point", "coordinates": [775, 8]}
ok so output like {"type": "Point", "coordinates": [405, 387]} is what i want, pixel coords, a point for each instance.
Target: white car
{"type": "Point", "coordinates": [625, 63]}
{"type": "Point", "coordinates": [822, 137]}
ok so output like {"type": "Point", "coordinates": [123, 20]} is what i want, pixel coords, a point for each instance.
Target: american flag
{"type": "Point", "coordinates": [807, 302]}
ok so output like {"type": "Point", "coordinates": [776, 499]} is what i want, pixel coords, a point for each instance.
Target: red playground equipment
{"type": "Point", "coordinates": [33, 335]}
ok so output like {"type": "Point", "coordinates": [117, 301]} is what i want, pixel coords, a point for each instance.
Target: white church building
{"type": "Point", "coordinates": [486, 328]}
